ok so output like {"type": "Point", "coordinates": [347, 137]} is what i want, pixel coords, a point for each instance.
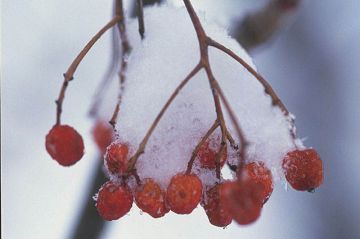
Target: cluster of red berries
{"type": "Point", "coordinates": [240, 200]}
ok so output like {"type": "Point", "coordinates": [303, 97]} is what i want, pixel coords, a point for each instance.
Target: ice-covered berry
{"type": "Point", "coordinates": [103, 134]}
{"type": "Point", "coordinates": [303, 169]}
{"type": "Point", "coordinates": [116, 158]}
{"type": "Point", "coordinates": [207, 154]}
{"type": "Point", "coordinates": [113, 201]}
{"type": "Point", "coordinates": [258, 172]}
{"type": "Point", "coordinates": [150, 198]}
{"type": "Point", "coordinates": [243, 199]}
{"type": "Point", "coordinates": [64, 144]}
{"type": "Point", "coordinates": [184, 193]}
{"type": "Point", "coordinates": [214, 207]}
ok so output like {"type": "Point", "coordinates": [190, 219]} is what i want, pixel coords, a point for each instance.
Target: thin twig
{"type": "Point", "coordinates": [204, 44]}
{"type": "Point", "coordinates": [69, 75]}
{"type": "Point", "coordinates": [268, 89]}
{"type": "Point", "coordinates": [134, 158]}
{"type": "Point", "coordinates": [198, 146]}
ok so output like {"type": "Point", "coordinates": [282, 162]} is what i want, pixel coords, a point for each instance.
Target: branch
{"type": "Point", "coordinates": [69, 75]}
{"type": "Point", "coordinates": [133, 159]}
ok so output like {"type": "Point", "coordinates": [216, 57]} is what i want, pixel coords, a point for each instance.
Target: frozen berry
{"type": "Point", "coordinates": [243, 200]}
{"type": "Point", "coordinates": [215, 208]}
{"type": "Point", "coordinates": [113, 201]}
{"type": "Point", "coordinates": [207, 154]}
{"type": "Point", "coordinates": [150, 198]}
{"type": "Point", "coordinates": [64, 144]}
{"type": "Point", "coordinates": [102, 134]}
{"type": "Point", "coordinates": [258, 172]}
{"type": "Point", "coordinates": [116, 158]}
{"type": "Point", "coordinates": [303, 169]}
{"type": "Point", "coordinates": [184, 193]}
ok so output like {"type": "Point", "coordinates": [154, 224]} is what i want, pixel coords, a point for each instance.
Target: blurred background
{"type": "Point", "coordinates": [312, 61]}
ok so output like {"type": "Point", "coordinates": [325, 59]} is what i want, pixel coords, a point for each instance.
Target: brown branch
{"type": "Point", "coordinates": [133, 159]}
{"type": "Point", "coordinates": [110, 72]}
{"type": "Point", "coordinates": [268, 89]}
{"type": "Point", "coordinates": [69, 75]}
{"type": "Point", "coordinates": [204, 44]}
{"type": "Point", "coordinates": [198, 146]}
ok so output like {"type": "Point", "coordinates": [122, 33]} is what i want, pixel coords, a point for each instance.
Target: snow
{"type": "Point", "coordinates": [156, 67]}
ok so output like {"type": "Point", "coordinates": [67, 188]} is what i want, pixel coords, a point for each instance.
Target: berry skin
{"type": "Point", "coordinates": [184, 193]}
{"type": "Point", "coordinates": [207, 155]}
{"type": "Point", "coordinates": [303, 169]}
{"type": "Point", "coordinates": [258, 172]}
{"type": "Point", "coordinates": [103, 135]}
{"type": "Point", "coordinates": [64, 144]}
{"type": "Point", "coordinates": [113, 201]}
{"type": "Point", "coordinates": [150, 198]}
{"type": "Point", "coordinates": [116, 158]}
{"type": "Point", "coordinates": [214, 207]}
{"type": "Point", "coordinates": [243, 200]}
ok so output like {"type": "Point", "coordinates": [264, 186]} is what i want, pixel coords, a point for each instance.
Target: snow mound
{"type": "Point", "coordinates": [156, 67]}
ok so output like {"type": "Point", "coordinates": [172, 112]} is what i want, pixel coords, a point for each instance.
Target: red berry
{"type": "Point", "coordinates": [150, 198]}
{"type": "Point", "coordinates": [215, 208]}
{"type": "Point", "coordinates": [258, 172]}
{"type": "Point", "coordinates": [113, 201]}
{"type": "Point", "coordinates": [243, 200]}
{"type": "Point", "coordinates": [102, 134]}
{"type": "Point", "coordinates": [303, 169]}
{"type": "Point", "coordinates": [116, 158]}
{"type": "Point", "coordinates": [64, 144]}
{"type": "Point", "coordinates": [184, 193]}
{"type": "Point", "coordinates": [207, 154]}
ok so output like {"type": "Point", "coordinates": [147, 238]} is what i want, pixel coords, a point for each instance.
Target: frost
{"type": "Point", "coordinates": [158, 64]}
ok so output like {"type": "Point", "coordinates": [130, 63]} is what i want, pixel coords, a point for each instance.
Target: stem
{"type": "Point", "coordinates": [268, 89]}
{"type": "Point", "coordinates": [69, 75]}
{"type": "Point", "coordinates": [198, 146]}
{"type": "Point", "coordinates": [133, 159]}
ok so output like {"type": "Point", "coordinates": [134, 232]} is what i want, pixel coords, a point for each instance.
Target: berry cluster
{"type": "Point", "coordinates": [240, 200]}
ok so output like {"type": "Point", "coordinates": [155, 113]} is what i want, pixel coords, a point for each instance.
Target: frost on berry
{"type": "Point", "coordinates": [150, 198]}
{"type": "Point", "coordinates": [303, 169]}
{"type": "Point", "coordinates": [184, 193]}
{"type": "Point", "coordinates": [214, 207]}
{"type": "Point", "coordinates": [113, 201]}
{"type": "Point", "coordinates": [259, 173]}
{"type": "Point", "coordinates": [103, 134]}
{"type": "Point", "coordinates": [207, 154]}
{"type": "Point", "coordinates": [116, 158]}
{"type": "Point", "coordinates": [243, 199]}
{"type": "Point", "coordinates": [64, 144]}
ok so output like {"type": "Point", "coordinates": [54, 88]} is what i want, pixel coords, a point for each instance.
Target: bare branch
{"type": "Point", "coordinates": [68, 76]}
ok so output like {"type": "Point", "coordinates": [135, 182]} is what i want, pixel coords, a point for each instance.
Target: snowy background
{"type": "Point", "coordinates": [313, 64]}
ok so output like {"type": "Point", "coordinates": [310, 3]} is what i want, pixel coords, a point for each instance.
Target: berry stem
{"type": "Point", "coordinates": [133, 159]}
{"type": "Point", "coordinates": [198, 146]}
{"type": "Point", "coordinates": [204, 43]}
{"type": "Point", "coordinates": [69, 75]}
